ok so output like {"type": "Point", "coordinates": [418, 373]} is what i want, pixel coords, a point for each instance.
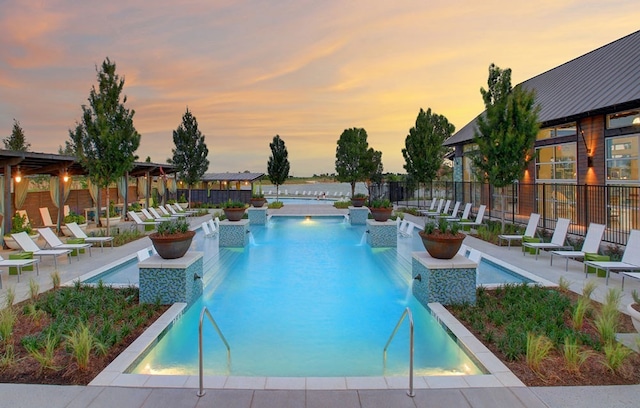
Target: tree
{"type": "Point", "coordinates": [506, 133]}
{"type": "Point", "coordinates": [373, 170]}
{"type": "Point", "coordinates": [424, 150]}
{"type": "Point", "coordinates": [190, 153]}
{"type": "Point", "coordinates": [106, 139]}
{"type": "Point", "coordinates": [16, 141]}
{"type": "Point", "coordinates": [278, 164]}
{"type": "Point", "coordinates": [352, 157]}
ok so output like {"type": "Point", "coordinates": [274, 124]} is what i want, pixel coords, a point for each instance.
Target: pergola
{"type": "Point", "coordinates": [17, 164]}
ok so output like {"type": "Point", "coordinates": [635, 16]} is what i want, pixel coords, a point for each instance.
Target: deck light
{"type": "Point", "coordinates": [18, 175]}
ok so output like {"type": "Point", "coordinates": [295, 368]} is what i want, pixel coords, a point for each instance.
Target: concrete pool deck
{"type": "Point", "coordinates": [352, 393]}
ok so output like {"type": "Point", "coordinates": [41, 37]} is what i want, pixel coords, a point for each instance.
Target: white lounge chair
{"type": "Point", "coordinates": [213, 226]}
{"type": "Point", "coordinates": [630, 258]}
{"type": "Point", "coordinates": [557, 239]}
{"type": "Point", "coordinates": [478, 220]}
{"type": "Point", "coordinates": [591, 245]}
{"type": "Point", "coordinates": [79, 233]}
{"type": "Point", "coordinates": [55, 243]}
{"type": "Point", "coordinates": [149, 216]}
{"type": "Point", "coordinates": [135, 218]}
{"type": "Point", "coordinates": [18, 264]}
{"type": "Point", "coordinates": [465, 214]}
{"type": "Point", "coordinates": [431, 212]}
{"type": "Point", "coordinates": [158, 216]}
{"type": "Point", "coordinates": [176, 209]}
{"type": "Point", "coordinates": [27, 245]}
{"type": "Point", "coordinates": [454, 213]}
{"type": "Point", "coordinates": [46, 218]}
{"type": "Point", "coordinates": [163, 212]}
{"type": "Point", "coordinates": [532, 226]}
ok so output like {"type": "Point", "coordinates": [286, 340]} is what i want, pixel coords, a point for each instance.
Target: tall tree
{"type": "Point", "coordinates": [106, 139]}
{"type": "Point", "coordinates": [190, 153]}
{"type": "Point", "coordinates": [373, 170]}
{"type": "Point", "coordinates": [351, 157]}
{"type": "Point", "coordinates": [424, 150]}
{"type": "Point", "coordinates": [278, 164]}
{"type": "Point", "coordinates": [16, 141]}
{"type": "Point", "coordinates": [506, 133]}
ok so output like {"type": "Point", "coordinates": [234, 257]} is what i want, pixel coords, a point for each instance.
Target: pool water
{"type": "Point", "coordinates": [307, 298]}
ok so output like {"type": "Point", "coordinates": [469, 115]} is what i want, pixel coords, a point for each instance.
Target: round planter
{"type": "Point", "coordinates": [258, 202]}
{"type": "Point", "coordinates": [184, 205]}
{"type": "Point", "coordinates": [358, 202]}
{"type": "Point", "coordinates": [12, 244]}
{"type": "Point", "coordinates": [635, 316]}
{"type": "Point", "coordinates": [233, 214]}
{"type": "Point", "coordinates": [381, 214]}
{"type": "Point", "coordinates": [67, 232]}
{"type": "Point", "coordinates": [444, 246]}
{"type": "Point", "coordinates": [112, 221]}
{"type": "Point", "coordinates": [172, 246]}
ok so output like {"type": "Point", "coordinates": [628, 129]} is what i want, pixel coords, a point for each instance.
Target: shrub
{"type": "Point", "coordinates": [573, 356]}
{"type": "Point", "coordinates": [381, 203]}
{"type": "Point", "coordinates": [73, 217]}
{"type": "Point", "coordinates": [538, 348]}
{"type": "Point", "coordinates": [173, 226]}
{"type": "Point", "coordinates": [233, 204]}
{"type": "Point", "coordinates": [19, 224]}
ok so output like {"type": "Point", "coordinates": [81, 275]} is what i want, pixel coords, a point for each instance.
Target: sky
{"type": "Point", "coordinates": [305, 70]}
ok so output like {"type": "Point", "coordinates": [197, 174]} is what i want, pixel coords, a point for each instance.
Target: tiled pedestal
{"type": "Point", "coordinates": [171, 280]}
{"type": "Point", "coordinates": [257, 216]}
{"type": "Point", "coordinates": [382, 234]}
{"type": "Point", "coordinates": [358, 215]}
{"type": "Point", "coordinates": [234, 233]}
{"type": "Point", "coordinates": [447, 281]}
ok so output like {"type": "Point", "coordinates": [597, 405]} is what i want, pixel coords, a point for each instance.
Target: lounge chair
{"type": "Point", "coordinates": [135, 218]}
{"type": "Point", "coordinates": [465, 214]}
{"type": "Point", "coordinates": [532, 226]}
{"type": "Point", "coordinates": [478, 220]}
{"type": "Point", "coordinates": [454, 213]}
{"type": "Point", "coordinates": [18, 264]}
{"type": "Point", "coordinates": [176, 209]}
{"type": "Point", "coordinates": [159, 216]}
{"type": "Point", "coordinates": [444, 211]}
{"type": "Point", "coordinates": [591, 245]}
{"type": "Point", "coordinates": [214, 225]}
{"type": "Point", "coordinates": [27, 245]}
{"type": "Point", "coordinates": [79, 233]}
{"type": "Point", "coordinates": [431, 212]}
{"type": "Point", "coordinates": [163, 212]}
{"type": "Point", "coordinates": [46, 218]}
{"type": "Point", "coordinates": [630, 258]}
{"type": "Point", "coordinates": [149, 216]}
{"type": "Point", "coordinates": [55, 243]}
{"type": "Point", "coordinates": [557, 240]}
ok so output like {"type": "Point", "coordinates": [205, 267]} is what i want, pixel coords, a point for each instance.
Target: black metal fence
{"type": "Point", "coordinates": [618, 207]}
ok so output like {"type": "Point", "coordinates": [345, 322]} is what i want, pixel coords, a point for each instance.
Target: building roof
{"type": "Point", "coordinates": [246, 176]}
{"type": "Point", "coordinates": [604, 80]}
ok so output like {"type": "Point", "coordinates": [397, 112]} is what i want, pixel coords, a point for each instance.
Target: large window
{"type": "Point", "coordinates": [568, 129]}
{"type": "Point", "coordinates": [622, 159]}
{"type": "Point", "coordinates": [623, 119]}
{"type": "Point", "coordinates": [556, 163]}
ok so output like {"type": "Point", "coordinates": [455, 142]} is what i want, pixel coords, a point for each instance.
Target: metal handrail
{"type": "Point", "coordinates": [201, 392]}
{"type": "Point", "coordinates": [407, 312]}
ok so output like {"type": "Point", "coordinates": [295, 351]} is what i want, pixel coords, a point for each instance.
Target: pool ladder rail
{"type": "Point", "coordinates": [204, 312]}
{"type": "Point", "coordinates": [407, 312]}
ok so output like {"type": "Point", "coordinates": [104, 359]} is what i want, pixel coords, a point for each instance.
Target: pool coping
{"type": "Point", "coordinates": [498, 374]}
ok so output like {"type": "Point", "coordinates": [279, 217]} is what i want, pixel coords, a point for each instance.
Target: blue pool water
{"type": "Point", "coordinates": [307, 298]}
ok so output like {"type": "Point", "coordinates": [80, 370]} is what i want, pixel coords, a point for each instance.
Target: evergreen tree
{"type": "Point", "coordinates": [352, 157]}
{"type": "Point", "coordinates": [373, 169]}
{"type": "Point", "coordinates": [106, 139]}
{"type": "Point", "coordinates": [16, 141]}
{"type": "Point", "coordinates": [278, 164]}
{"type": "Point", "coordinates": [506, 132]}
{"type": "Point", "coordinates": [190, 153]}
{"type": "Point", "coordinates": [424, 150]}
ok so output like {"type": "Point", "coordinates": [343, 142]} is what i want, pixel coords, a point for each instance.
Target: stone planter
{"type": "Point", "coordinates": [635, 316]}
{"type": "Point", "coordinates": [184, 205]}
{"type": "Point", "coordinates": [172, 246]}
{"type": "Point", "coordinates": [112, 221]}
{"type": "Point", "coordinates": [358, 202]}
{"type": "Point", "coordinates": [233, 214]}
{"type": "Point", "coordinates": [381, 214]}
{"type": "Point", "coordinates": [442, 246]}
{"type": "Point", "coordinates": [68, 233]}
{"type": "Point", "coordinates": [12, 244]}
{"type": "Point", "coordinates": [258, 202]}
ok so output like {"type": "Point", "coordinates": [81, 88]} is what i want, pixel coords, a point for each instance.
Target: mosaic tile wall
{"type": "Point", "coordinates": [457, 169]}
{"type": "Point", "coordinates": [257, 216]}
{"type": "Point", "coordinates": [234, 234]}
{"type": "Point", "coordinates": [446, 286]}
{"type": "Point", "coordinates": [382, 234]}
{"type": "Point", "coordinates": [171, 285]}
{"type": "Point", "coordinates": [358, 215]}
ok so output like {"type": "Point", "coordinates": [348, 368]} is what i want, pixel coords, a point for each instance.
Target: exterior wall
{"type": "Point", "coordinates": [593, 128]}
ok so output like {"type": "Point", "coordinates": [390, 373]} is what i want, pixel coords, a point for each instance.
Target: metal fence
{"type": "Point", "coordinates": [618, 207]}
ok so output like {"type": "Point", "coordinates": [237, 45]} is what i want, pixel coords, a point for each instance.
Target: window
{"type": "Point", "coordinates": [623, 119]}
{"type": "Point", "coordinates": [556, 163]}
{"type": "Point", "coordinates": [559, 131]}
{"type": "Point", "coordinates": [622, 159]}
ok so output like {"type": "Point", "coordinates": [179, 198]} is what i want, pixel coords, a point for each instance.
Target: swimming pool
{"type": "Point", "coordinates": [291, 306]}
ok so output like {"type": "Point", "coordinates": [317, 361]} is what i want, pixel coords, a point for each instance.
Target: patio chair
{"type": "Point", "coordinates": [444, 211]}
{"type": "Point", "coordinates": [630, 258]}
{"type": "Point", "coordinates": [557, 240]}
{"type": "Point", "coordinates": [163, 212]}
{"type": "Point", "coordinates": [135, 218]}
{"type": "Point", "coordinates": [591, 245]}
{"type": "Point", "coordinates": [454, 213]}
{"type": "Point", "coordinates": [79, 233]}
{"type": "Point", "coordinates": [148, 216]}
{"type": "Point", "coordinates": [465, 214]}
{"type": "Point", "coordinates": [176, 209]}
{"type": "Point", "coordinates": [478, 220]}
{"type": "Point", "coordinates": [18, 264]}
{"type": "Point", "coordinates": [532, 226]}
{"type": "Point", "coordinates": [431, 212]}
{"type": "Point", "coordinates": [159, 216]}
{"type": "Point", "coordinates": [27, 245]}
{"type": "Point", "coordinates": [46, 217]}
{"type": "Point", "coordinates": [55, 243]}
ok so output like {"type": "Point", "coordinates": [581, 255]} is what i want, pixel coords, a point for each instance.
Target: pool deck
{"type": "Point", "coordinates": [358, 392]}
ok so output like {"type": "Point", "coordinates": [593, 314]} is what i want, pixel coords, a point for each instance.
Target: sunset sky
{"type": "Point", "coordinates": [305, 70]}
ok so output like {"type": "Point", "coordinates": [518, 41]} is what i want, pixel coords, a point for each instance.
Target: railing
{"type": "Point", "coordinates": [201, 392]}
{"type": "Point", "coordinates": [407, 312]}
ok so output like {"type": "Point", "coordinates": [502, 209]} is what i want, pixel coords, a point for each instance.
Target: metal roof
{"type": "Point", "coordinates": [604, 80]}
{"type": "Point", "coordinates": [231, 176]}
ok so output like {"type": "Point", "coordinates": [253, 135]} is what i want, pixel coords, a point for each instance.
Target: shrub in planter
{"type": "Point", "coordinates": [443, 239]}
{"type": "Point", "coordinates": [358, 199]}
{"type": "Point", "coordinates": [381, 209]}
{"type": "Point", "coordinates": [172, 238]}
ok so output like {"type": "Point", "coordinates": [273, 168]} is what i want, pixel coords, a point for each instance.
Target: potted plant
{"type": "Point", "coordinates": [381, 209]}
{"type": "Point", "coordinates": [257, 198]}
{"type": "Point", "coordinates": [358, 199]}
{"type": "Point", "coordinates": [172, 238]}
{"type": "Point", "coordinates": [233, 210]}
{"type": "Point", "coordinates": [19, 223]}
{"type": "Point", "coordinates": [182, 201]}
{"type": "Point", "coordinates": [73, 217]}
{"type": "Point", "coordinates": [443, 239]}
{"type": "Point", "coordinates": [634, 310]}
{"type": "Point", "coordinates": [114, 218]}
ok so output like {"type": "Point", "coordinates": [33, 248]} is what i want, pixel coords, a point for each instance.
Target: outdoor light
{"type": "Point", "coordinates": [636, 120]}
{"type": "Point", "coordinates": [18, 175]}
{"type": "Point", "coordinates": [65, 178]}
{"type": "Point", "coordinates": [589, 161]}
